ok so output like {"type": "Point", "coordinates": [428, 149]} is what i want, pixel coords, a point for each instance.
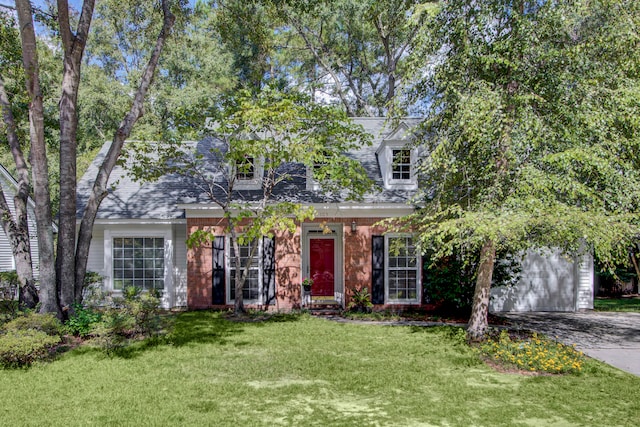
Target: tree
{"type": "Point", "coordinates": [348, 52]}
{"type": "Point", "coordinates": [269, 138]}
{"type": "Point", "coordinates": [354, 50]}
{"type": "Point", "coordinates": [532, 131]}
{"type": "Point", "coordinates": [16, 229]}
{"type": "Point", "coordinates": [247, 28]}
{"type": "Point", "coordinates": [59, 289]}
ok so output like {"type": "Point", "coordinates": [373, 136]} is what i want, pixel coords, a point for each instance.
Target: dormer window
{"type": "Point", "coordinates": [397, 157]}
{"type": "Point", "coordinates": [248, 172]}
{"type": "Point", "coordinates": [245, 169]}
{"type": "Point", "coordinates": [401, 166]}
{"type": "Point", "coordinates": [315, 172]}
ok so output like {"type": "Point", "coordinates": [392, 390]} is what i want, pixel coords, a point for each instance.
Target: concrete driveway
{"type": "Point", "coordinates": [613, 338]}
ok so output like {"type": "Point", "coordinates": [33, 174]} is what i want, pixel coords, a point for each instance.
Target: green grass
{"type": "Point", "coordinates": [617, 304]}
{"type": "Point", "coordinates": [303, 371]}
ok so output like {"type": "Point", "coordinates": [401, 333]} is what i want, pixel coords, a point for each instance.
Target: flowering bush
{"type": "Point", "coordinates": [536, 354]}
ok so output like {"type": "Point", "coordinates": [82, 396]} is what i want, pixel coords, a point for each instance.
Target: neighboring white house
{"type": "Point", "coordinates": [141, 228]}
{"type": "Point", "coordinates": [9, 187]}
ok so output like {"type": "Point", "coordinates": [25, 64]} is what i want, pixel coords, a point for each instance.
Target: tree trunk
{"type": "Point", "coordinates": [478, 324]}
{"type": "Point", "coordinates": [634, 260]}
{"type": "Point", "coordinates": [99, 190]}
{"type": "Point", "coordinates": [73, 46]}
{"type": "Point", "coordinates": [238, 301]}
{"type": "Point", "coordinates": [18, 234]}
{"type": "Point", "coordinates": [38, 159]}
{"type": "Point", "coordinates": [17, 231]}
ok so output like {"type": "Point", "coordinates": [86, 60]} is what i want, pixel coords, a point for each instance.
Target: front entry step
{"type": "Point", "coordinates": [324, 307]}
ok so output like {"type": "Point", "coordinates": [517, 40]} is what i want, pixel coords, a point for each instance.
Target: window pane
{"type": "Point", "coordinates": [251, 286]}
{"type": "Point", "coordinates": [138, 261]}
{"type": "Point", "coordinates": [401, 168]}
{"type": "Point", "coordinates": [402, 270]}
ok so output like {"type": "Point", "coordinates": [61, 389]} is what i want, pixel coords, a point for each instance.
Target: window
{"type": "Point", "coordinates": [251, 288]}
{"type": "Point", "coordinates": [247, 172]}
{"type": "Point", "coordinates": [402, 270]}
{"type": "Point", "coordinates": [245, 169]}
{"type": "Point", "coordinates": [401, 167]}
{"type": "Point", "coordinates": [138, 261]}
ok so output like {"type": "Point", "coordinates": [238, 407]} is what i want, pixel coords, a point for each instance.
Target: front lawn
{"type": "Point", "coordinates": [617, 304]}
{"type": "Point", "coordinates": [306, 371]}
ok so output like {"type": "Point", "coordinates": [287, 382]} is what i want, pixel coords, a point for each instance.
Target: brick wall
{"type": "Point", "coordinates": [357, 261]}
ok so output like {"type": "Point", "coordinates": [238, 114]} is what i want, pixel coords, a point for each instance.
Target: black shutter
{"type": "Point", "coordinates": [269, 270]}
{"type": "Point", "coordinates": [377, 269]}
{"type": "Point", "coordinates": [423, 279]}
{"type": "Point", "coordinates": [218, 271]}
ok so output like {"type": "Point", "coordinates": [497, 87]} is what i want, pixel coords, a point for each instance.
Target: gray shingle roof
{"type": "Point", "coordinates": [159, 199]}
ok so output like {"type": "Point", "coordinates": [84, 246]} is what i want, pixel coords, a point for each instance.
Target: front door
{"type": "Point", "coordinates": [322, 266]}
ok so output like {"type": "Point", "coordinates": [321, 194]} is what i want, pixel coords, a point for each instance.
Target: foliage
{"type": "Point", "coordinates": [339, 374]}
{"type": "Point", "coordinates": [307, 283]}
{"type": "Point", "coordinates": [348, 52]}
{"type": "Point", "coordinates": [83, 320]}
{"type": "Point", "coordinates": [450, 281]}
{"type": "Point", "coordinates": [29, 320]}
{"type": "Point", "coordinates": [28, 338]}
{"type": "Point", "coordinates": [9, 309]}
{"type": "Point", "coordinates": [135, 315]}
{"type": "Point", "coordinates": [531, 112]}
{"type": "Point", "coordinates": [535, 354]}
{"type": "Point", "coordinates": [8, 284]}
{"type": "Point", "coordinates": [22, 347]}
{"type": "Point", "coordinates": [629, 304]}
{"type": "Point", "coordinates": [276, 135]}
{"type": "Point", "coordinates": [360, 301]}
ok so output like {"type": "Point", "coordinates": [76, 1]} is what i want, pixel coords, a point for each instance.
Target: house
{"type": "Point", "coordinates": [141, 229]}
{"type": "Point", "coordinates": [7, 262]}
{"type": "Point", "coordinates": [10, 187]}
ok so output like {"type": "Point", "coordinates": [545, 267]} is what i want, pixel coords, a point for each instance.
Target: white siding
{"type": "Point", "coordinates": [6, 256]}
{"type": "Point", "coordinates": [6, 253]}
{"type": "Point", "coordinates": [549, 282]}
{"type": "Point", "coordinates": [100, 257]}
{"type": "Point", "coordinates": [585, 279]}
{"type": "Point", "coordinates": [95, 262]}
{"type": "Point", "coordinates": [180, 265]}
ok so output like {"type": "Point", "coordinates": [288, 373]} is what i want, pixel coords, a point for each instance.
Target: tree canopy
{"type": "Point", "coordinates": [533, 133]}
{"type": "Point", "coordinates": [279, 134]}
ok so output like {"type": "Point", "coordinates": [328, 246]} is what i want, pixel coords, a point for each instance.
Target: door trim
{"type": "Point", "coordinates": [313, 231]}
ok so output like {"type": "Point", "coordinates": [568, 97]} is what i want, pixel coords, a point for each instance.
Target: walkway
{"type": "Point", "coordinates": [613, 338]}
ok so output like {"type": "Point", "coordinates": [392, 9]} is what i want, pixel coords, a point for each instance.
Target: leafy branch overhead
{"type": "Point", "coordinates": [531, 110]}
{"type": "Point", "coordinates": [259, 145]}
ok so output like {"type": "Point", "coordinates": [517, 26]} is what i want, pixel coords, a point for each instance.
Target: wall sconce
{"type": "Point", "coordinates": [354, 227]}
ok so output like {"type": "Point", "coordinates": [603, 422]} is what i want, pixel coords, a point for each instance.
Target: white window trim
{"type": "Point", "coordinates": [166, 234]}
{"type": "Point", "coordinates": [312, 184]}
{"type": "Point", "coordinates": [418, 299]}
{"type": "Point", "coordinates": [401, 184]}
{"type": "Point", "coordinates": [249, 184]}
{"type": "Point", "coordinates": [227, 266]}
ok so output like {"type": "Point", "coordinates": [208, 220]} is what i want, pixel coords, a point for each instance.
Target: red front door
{"type": "Point", "coordinates": [321, 266]}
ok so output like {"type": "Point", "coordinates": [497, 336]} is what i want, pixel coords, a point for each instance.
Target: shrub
{"type": "Point", "coordinates": [536, 354]}
{"type": "Point", "coordinates": [8, 284]}
{"type": "Point", "coordinates": [23, 347]}
{"type": "Point", "coordinates": [450, 281]}
{"type": "Point", "coordinates": [137, 313]}
{"type": "Point", "coordinates": [113, 330]}
{"type": "Point", "coordinates": [83, 321]}
{"type": "Point", "coordinates": [360, 301]}
{"type": "Point", "coordinates": [46, 323]}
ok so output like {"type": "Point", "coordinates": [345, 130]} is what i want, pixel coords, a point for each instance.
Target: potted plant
{"type": "Point", "coordinates": [307, 283]}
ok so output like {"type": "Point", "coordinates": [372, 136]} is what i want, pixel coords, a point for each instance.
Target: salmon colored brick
{"type": "Point", "coordinates": [356, 265]}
